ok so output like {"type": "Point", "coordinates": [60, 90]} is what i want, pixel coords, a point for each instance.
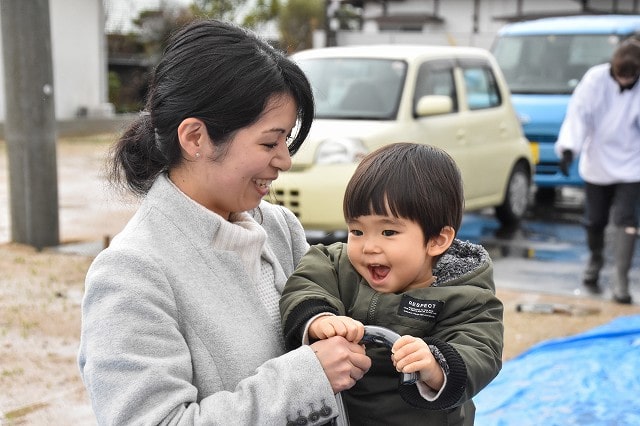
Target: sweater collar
{"type": "Point", "coordinates": [202, 227]}
{"type": "Point", "coordinates": [196, 221]}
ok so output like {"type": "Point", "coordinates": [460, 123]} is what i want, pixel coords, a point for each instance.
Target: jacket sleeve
{"type": "Point", "coordinates": [313, 288]}
{"type": "Point", "coordinates": [137, 367]}
{"type": "Point", "coordinates": [575, 128]}
{"type": "Point", "coordinates": [469, 346]}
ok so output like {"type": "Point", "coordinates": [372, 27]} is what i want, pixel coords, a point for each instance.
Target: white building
{"type": "Point", "coordinates": [459, 22]}
{"type": "Point", "coordinates": [79, 52]}
{"type": "Point", "coordinates": [79, 59]}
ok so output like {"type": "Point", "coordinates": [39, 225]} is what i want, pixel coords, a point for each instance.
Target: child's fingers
{"type": "Point", "coordinates": [413, 361]}
{"type": "Point", "coordinates": [339, 327]}
{"type": "Point", "coordinates": [403, 341]}
{"type": "Point", "coordinates": [407, 350]}
{"type": "Point", "coordinates": [355, 331]}
{"type": "Point", "coordinates": [322, 328]}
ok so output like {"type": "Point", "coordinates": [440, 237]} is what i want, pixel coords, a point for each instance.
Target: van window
{"type": "Point", "coordinates": [550, 63]}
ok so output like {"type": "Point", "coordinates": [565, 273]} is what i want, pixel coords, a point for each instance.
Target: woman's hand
{"type": "Point", "coordinates": [411, 354]}
{"type": "Point", "coordinates": [343, 362]}
{"type": "Point", "coordinates": [335, 325]}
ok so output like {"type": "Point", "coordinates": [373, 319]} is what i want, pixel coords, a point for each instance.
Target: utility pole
{"type": "Point", "coordinates": [30, 124]}
{"type": "Point", "coordinates": [329, 33]}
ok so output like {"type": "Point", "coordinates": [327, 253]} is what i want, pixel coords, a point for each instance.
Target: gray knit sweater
{"type": "Point", "coordinates": [175, 331]}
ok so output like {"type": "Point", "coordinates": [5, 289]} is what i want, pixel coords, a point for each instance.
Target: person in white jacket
{"type": "Point", "coordinates": [602, 125]}
{"type": "Point", "coordinates": [180, 318]}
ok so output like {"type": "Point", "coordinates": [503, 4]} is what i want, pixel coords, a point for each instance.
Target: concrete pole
{"type": "Point", "coordinates": [30, 125]}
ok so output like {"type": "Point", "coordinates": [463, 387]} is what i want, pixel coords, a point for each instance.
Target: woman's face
{"type": "Point", "coordinates": [237, 176]}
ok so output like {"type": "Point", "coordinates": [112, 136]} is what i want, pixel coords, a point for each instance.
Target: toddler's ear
{"type": "Point", "coordinates": [441, 242]}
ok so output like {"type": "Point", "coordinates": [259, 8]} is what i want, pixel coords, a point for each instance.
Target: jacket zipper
{"type": "Point", "coordinates": [371, 314]}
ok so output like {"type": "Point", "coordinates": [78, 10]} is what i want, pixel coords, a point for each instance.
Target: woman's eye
{"type": "Point", "coordinates": [271, 145]}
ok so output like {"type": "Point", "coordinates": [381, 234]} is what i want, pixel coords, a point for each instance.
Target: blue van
{"type": "Point", "coordinates": [543, 60]}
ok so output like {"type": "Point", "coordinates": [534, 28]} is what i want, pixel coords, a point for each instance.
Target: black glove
{"type": "Point", "coordinates": [565, 161]}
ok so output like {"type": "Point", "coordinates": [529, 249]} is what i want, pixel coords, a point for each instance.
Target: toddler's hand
{"type": "Point", "coordinates": [411, 354]}
{"type": "Point", "coordinates": [330, 325]}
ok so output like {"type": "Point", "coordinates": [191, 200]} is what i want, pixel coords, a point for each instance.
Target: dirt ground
{"type": "Point", "coordinates": [41, 292]}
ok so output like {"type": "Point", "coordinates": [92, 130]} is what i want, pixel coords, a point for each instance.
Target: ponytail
{"type": "Point", "coordinates": [136, 159]}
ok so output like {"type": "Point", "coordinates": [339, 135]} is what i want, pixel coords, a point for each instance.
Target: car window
{"type": "Point", "coordinates": [436, 78]}
{"type": "Point", "coordinates": [481, 86]}
{"type": "Point", "coordinates": [355, 88]}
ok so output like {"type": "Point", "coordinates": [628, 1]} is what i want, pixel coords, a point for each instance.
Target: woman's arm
{"type": "Point", "coordinates": [138, 367]}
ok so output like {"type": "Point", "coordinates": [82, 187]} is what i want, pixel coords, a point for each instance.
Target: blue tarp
{"type": "Point", "coordinates": [591, 378]}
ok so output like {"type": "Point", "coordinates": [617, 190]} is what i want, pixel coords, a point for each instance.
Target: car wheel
{"type": "Point", "coordinates": [516, 201]}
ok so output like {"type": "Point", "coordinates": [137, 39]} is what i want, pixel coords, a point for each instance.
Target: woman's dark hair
{"type": "Point", "coordinates": [421, 183]}
{"type": "Point", "coordinates": [626, 59]}
{"type": "Point", "coordinates": [219, 73]}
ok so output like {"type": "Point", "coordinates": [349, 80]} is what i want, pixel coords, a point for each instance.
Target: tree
{"type": "Point", "coordinates": [155, 27]}
{"type": "Point", "coordinates": [219, 9]}
{"type": "Point", "coordinates": [261, 13]}
{"type": "Point", "coordinates": [298, 20]}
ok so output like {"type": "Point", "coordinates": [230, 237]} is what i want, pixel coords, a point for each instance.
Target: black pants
{"type": "Point", "coordinates": [622, 200]}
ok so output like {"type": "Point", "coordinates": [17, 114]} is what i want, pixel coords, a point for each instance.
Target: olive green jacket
{"type": "Point", "coordinates": [459, 316]}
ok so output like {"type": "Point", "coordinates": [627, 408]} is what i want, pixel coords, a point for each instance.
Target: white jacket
{"type": "Point", "coordinates": [603, 126]}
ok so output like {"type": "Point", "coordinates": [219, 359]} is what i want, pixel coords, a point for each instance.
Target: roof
{"type": "Point", "coordinates": [579, 24]}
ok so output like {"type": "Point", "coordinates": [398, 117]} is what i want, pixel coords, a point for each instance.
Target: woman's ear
{"type": "Point", "coordinates": [192, 134]}
{"type": "Point", "coordinates": [441, 242]}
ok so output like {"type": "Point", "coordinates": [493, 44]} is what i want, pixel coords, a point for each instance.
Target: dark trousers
{"type": "Point", "coordinates": [622, 200]}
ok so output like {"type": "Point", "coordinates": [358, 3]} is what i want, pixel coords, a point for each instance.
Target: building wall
{"type": "Point", "coordinates": [78, 59]}
{"type": "Point", "coordinates": [459, 27]}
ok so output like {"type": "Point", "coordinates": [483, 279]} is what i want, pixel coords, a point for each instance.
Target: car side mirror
{"type": "Point", "coordinates": [433, 105]}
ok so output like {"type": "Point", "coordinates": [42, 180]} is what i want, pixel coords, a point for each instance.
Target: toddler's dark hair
{"type": "Point", "coordinates": [421, 183]}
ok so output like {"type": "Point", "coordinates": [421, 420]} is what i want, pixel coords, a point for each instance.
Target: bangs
{"type": "Point", "coordinates": [380, 191]}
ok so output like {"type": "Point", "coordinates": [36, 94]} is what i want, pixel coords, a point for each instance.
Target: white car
{"type": "Point", "coordinates": [368, 96]}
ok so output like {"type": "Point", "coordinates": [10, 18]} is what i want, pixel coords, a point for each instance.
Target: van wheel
{"type": "Point", "coordinates": [516, 201]}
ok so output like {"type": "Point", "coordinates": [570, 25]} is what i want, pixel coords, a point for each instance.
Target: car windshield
{"type": "Point", "coordinates": [355, 88]}
{"type": "Point", "coordinates": [550, 63]}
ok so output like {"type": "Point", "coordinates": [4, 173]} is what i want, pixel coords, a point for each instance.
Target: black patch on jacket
{"type": "Point", "coordinates": [424, 310]}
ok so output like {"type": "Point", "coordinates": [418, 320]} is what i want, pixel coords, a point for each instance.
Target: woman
{"type": "Point", "coordinates": [180, 320]}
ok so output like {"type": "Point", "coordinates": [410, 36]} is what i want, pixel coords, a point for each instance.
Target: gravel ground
{"type": "Point", "coordinates": [40, 295]}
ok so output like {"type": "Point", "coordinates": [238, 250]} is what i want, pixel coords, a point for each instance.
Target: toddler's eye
{"type": "Point", "coordinates": [389, 233]}
{"type": "Point", "coordinates": [355, 232]}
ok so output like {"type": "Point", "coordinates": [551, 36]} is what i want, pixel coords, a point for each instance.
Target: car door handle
{"type": "Point", "coordinates": [502, 129]}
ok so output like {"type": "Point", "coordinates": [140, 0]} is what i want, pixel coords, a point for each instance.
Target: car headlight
{"type": "Point", "coordinates": [340, 151]}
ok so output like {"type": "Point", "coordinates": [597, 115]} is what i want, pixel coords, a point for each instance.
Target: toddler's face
{"type": "Point", "coordinates": [389, 252]}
